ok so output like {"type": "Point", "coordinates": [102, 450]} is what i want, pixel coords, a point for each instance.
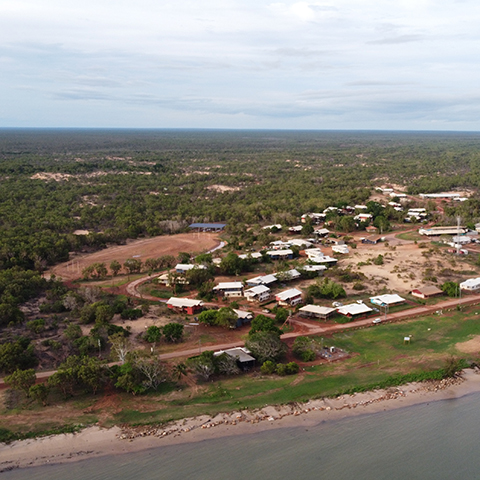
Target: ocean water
{"type": "Point", "coordinates": [437, 440]}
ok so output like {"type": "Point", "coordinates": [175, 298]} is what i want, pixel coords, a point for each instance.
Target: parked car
{"type": "Point", "coordinates": [377, 320]}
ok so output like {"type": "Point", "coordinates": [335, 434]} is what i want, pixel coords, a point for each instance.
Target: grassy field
{"type": "Point", "coordinates": [377, 354]}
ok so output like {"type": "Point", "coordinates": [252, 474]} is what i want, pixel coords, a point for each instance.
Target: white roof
{"type": "Point", "coordinates": [262, 280]}
{"type": "Point", "coordinates": [228, 285]}
{"type": "Point", "coordinates": [243, 313]}
{"type": "Point", "coordinates": [317, 309]}
{"type": "Point", "coordinates": [183, 302]}
{"type": "Point", "coordinates": [290, 274]}
{"type": "Point", "coordinates": [314, 268]}
{"type": "Point", "coordinates": [322, 231]}
{"type": "Point", "coordinates": [277, 225]}
{"type": "Point", "coordinates": [300, 242]}
{"type": "Point", "coordinates": [354, 309]}
{"type": "Point", "coordinates": [296, 228]}
{"type": "Point", "coordinates": [243, 256]}
{"type": "Point", "coordinates": [187, 266]}
{"type": "Point", "coordinates": [258, 290]}
{"type": "Point", "coordinates": [388, 299]}
{"type": "Point", "coordinates": [471, 284]}
{"type": "Point", "coordinates": [313, 252]}
{"type": "Point", "coordinates": [360, 207]}
{"type": "Point", "coordinates": [287, 294]}
{"type": "Point", "coordinates": [280, 252]}
{"type": "Point", "coordinates": [323, 259]}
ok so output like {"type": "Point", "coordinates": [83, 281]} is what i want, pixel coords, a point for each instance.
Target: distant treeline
{"type": "Point", "coordinates": [121, 184]}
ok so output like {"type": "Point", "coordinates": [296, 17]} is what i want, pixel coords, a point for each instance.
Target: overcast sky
{"type": "Point", "coordinates": [339, 64]}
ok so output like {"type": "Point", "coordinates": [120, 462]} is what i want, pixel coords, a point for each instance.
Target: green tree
{"type": "Point", "coordinates": [173, 332]}
{"type": "Point", "coordinates": [21, 380]}
{"type": "Point", "coordinates": [262, 323]}
{"type": "Point", "coordinates": [203, 365]}
{"type": "Point", "coordinates": [40, 393]}
{"type": "Point", "coordinates": [153, 334]}
{"type": "Point", "coordinates": [115, 267]}
{"type": "Point", "coordinates": [452, 289]}
{"type": "Point", "coordinates": [266, 346]}
{"type": "Point", "coordinates": [226, 317]}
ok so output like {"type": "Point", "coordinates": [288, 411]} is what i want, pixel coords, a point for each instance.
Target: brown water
{"type": "Point", "coordinates": [438, 440]}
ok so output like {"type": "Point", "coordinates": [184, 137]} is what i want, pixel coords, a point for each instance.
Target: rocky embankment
{"type": "Point", "coordinates": [275, 413]}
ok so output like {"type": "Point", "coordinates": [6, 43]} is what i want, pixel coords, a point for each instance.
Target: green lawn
{"type": "Point", "coordinates": [377, 354]}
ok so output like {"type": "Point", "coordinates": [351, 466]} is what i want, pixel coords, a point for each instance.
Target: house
{"type": "Point", "coordinates": [426, 292]}
{"type": "Point", "coordinates": [165, 278]}
{"type": "Point", "coordinates": [185, 267]}
{"type": "Point", "coordinates": [472, 285]}
{"type": "Point", "coordinates": [185, 305]}
{"type": "Point", "coordinates": [296, 229]}
{"type": "Point", "coordinates": [354, 310]}
{"type": "Point", "coordinates": [313, 252]}
{"type": "Point", "coordinates": [314, 217]}
{"type": "Point", "coordinates": [316, 311]}
{"type": "Point", "coordinates": [243, 317]}
{"type": "Point", "coordinates": [321, 232]}
{"type": "Point", "coordinates": [387, 300]}
{"type": "Point", "coordinates": [286, 254]}
{"type": "Point", "coordinates": [289, 297]}
{"type": "Point", "coordinates": [260, 293]}
{"type": "Point", "coordinates": [360, 207]}
{"type": "Point", "coordinates": [244, 360]}
{"type": "Point", "coordinates": [207, 227]}
{"type": "Point", "coordinates": [229, 289]}
{"type": "Point", "coordinates": [262, 280]}
{"type": "Point", "coordinates": [288, 275]}
{"type": "Point", "coordinates": [372, 239]}
{"type": "Point", "coordinates": [299, 242]}
{"type": "Point", "coordinates": [434, 231]}
{"type": "Point", "coordinates": [279, 245]}
{"type": "Point", "coordinates": [324, 259]}
{"type": "Point", "coordinates": [253, 255]}
{"type": "Point", "coordinates": [371, 229]}
{"type": "Point", "coordinates": [363, 217]}
{"type": "Point", "coordinates": [314, 268]}
{"type": "Point", "coordinates": [340, 249]}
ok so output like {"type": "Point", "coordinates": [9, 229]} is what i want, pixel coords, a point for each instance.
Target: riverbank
{"type": "Point", "coordinates": [95, 441]}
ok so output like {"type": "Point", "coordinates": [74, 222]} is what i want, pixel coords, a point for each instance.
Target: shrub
{"type": "Point", "coordinates": [153, 334]}
{"type": "Point", "coordinates": [308, 356]}
{"type": "Point", "coordinates": [268, 367]}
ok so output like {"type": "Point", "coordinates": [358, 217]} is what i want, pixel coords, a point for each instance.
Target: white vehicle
{"type": "Point", "coordinates": [377, 320]}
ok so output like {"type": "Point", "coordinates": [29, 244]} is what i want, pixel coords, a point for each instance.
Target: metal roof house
{"type": "Point", "coordinates": [185, 305]}
{"type": "Point", "coordinates": [316, 311]}
{"type": "Point", "coordinates": [471, 285]}
{"type": "Point", "coordinates": [229, 289]}
{"type": "Point", "coordinates": [244, 360]}
{"type": "Point", "coordinates": [387, 300]}
{"type": "Point", "coordinates": [426, 292]}
{"type": "Point", "coordinates": [185, 267]}
{"type": "Point", "coordinates": [290, 297]}
{"type": "Point", "coordinates": [280, 254]}
{"type": "Point", "coordinates": [262, 280]}
{"type": "Point", "coordinates": [354, 310]}
{"type": "Point", "coordinates": [260, 293]}
{"type": "Point", "coordinates": [243, 317]}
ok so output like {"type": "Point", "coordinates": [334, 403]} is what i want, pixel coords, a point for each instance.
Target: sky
{"type": "Point", "coordinates": [340, 64]}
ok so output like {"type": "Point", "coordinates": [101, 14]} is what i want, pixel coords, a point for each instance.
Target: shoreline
{"type": "Point", "coordinates": [95, 441]}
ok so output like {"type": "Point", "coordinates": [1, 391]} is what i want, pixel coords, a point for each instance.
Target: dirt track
{"type": "Point", "coordinates": [141, 249]}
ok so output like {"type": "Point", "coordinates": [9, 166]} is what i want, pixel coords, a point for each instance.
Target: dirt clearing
{"type": "Point", "coordinates": [141, 249]}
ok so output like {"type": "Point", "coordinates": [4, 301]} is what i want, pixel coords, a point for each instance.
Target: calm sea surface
{"type": "Point", "coordinates": [439, 440]}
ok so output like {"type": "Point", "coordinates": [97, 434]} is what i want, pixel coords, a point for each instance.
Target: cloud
{"type": "Point", "coordinates": [398, 39]}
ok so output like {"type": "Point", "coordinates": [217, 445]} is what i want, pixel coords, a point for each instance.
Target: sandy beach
{"type": "Point", "coordinates": [95, 441]}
